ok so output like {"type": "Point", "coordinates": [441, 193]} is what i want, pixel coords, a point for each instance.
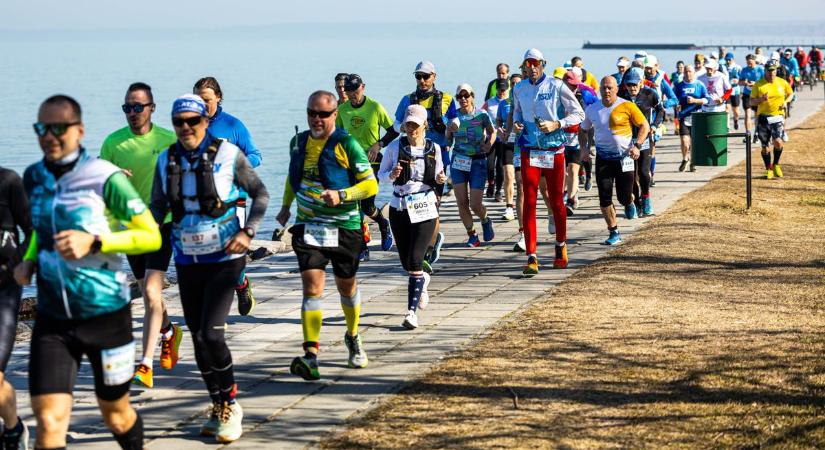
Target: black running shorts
{"type": "Point", "coordinates": [344, 257]}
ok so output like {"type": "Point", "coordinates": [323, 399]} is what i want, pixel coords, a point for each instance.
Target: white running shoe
{"type": "Point", "coordinates": [410, 320]}
{"type": "Point", "coordinates": [425, 296]}
{"type": "Point", "coordinates": [521, 245]}
{"type": "Point", "coordinates": [230, 427]}
{"type": "Point", "coordinates": [551, 225]}
{"type": "Point", "coordinates": [509, 214]}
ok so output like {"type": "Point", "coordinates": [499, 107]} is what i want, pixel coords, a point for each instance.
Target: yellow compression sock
{"type": "Point", "coordinates": [352, 311]}
{"type": "Point", "coordinates": [311, 318]}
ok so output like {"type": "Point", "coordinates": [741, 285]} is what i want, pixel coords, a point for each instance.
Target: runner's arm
{"type": "Point", "coordinates": [365, 184]}
{"type": "Point", "coordinates": [388, 163]}
{"type": "Point", "coordinates": [389, 136]}
{"type": "Point", "coordinates": [142, 234]}
{"type": "Point", "coordinates": [159, 204]}
{"type": "Point", "coordinates": [247, 145]}
{"type": "Point", "coordinates": [667, 91]}
{"type": "Point", "coordinates": [574, 111]}
{"type": "Point", "coordinates": [248, 180]}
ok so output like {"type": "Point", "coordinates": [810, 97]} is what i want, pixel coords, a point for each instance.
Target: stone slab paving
{"type": "Point", "coordinates": [471, 290]}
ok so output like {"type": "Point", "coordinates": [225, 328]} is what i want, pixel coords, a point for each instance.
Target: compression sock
{"type": "Point", "coordinates": [414, 290]}
{"type": "Point", "coordinates": [132, 439]}
{"type": "Point", "coordinates": [242, 281]}
{"type": "Point", "coordinates": [766, 157]}
{"type": "Point", "coordinates": [311, 318]}
{"type": "Point", "coordinates": [352, 311]}
{"type": "Point", "coordinates": [777, 153]}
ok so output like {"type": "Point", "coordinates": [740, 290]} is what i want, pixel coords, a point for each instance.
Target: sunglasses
{"type": "Point", "coordinates": [137, 108]}
{"type": "Point", "coordinates": [532, 62]}
{"type": "Point", "coordinates": [191, 121]}
{"type": "Point", "coordinates": [463, 96]}
{"type": "Point", "coordinates": [56, 129]}
{"type": "Point", "coordinates": [320, 114]}
{"type": "Point", "coordinates": [422, 76]}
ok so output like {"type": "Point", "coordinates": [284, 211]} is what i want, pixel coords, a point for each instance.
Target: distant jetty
{"type": "Point", "coordinates": [619, 46]}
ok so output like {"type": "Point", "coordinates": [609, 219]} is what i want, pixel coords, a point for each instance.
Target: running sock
{"type": "Point", "coordinates": [352, 311]}
{"type": "Point", "coordinates": [228, 394]}
{"type": "Point", "coordinates": [471, 232]}
{"type": "Point", "coordinates": [166, 332]}
{"type": "Point", "coordinates": [613, 228]}
{"type": "Point", "coordinates": [766, 158]}
{"type": "Point", "coordinates": [146, 362]}
{"type": "Point", "coordinates": [311, 318]}
{"type": "Point", "coordinates": [414, 290]}
{"type": "Point", "coordinates": [132, 439]}
{"type": "Point", "coordinates": [777, 153]}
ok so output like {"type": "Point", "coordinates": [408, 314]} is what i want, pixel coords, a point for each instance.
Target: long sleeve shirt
{"type": "Point", "coordinates": [412, 186]}
{"type": "Point", "coordinates": [546, 99]}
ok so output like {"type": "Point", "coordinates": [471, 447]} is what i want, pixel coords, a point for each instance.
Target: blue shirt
{"type": "Point", "coordinates": [684, 90]}
{"type": "Point", "coordinates": [754, 74]}
{"type": "Point", "coordinates": [225, 126]}
{"type": "Point", "coordinates": [734, 71]}
{"type": "Point", "coordinates": [792, 64]}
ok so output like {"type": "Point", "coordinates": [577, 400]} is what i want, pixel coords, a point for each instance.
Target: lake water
{"type": "Point", "coordinates": [266, 73]}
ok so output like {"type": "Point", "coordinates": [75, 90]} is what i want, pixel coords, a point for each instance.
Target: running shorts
{"type": "Point", "coordinates": [768, 131]}
{"type": "Point", "coordinates": [476, 177]}
{"type": "Point", "coordinates": [508, 149]}
{"type": "Point", "coordinates": [344, 257]}
{"type": "Point", "coordinates": [734, 100]}
{"type": "Point", "coordinates": [157, 260]}
{"type": "Point", "coordinates": [573, 155]}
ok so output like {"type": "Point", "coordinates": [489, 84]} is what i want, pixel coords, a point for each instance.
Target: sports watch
{"type": "Point", "coordinates": [249, 232]}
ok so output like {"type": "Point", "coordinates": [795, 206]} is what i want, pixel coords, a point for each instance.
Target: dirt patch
{"type": "Point", "coordinates": [704, 330]}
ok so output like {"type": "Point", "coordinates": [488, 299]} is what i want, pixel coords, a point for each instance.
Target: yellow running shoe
{"type": "Point", "coordinates": [561, 257]}
{"type": "Point", "coordinates": [143, 376]}
{"type": "Point", "coordinates": [769, 174]}
{"type": "Point", "coordinates": [169, 348]}
{"type": "Point", "coordinates": [777, 171]}
{"type": "Point", "coordinates": [531, 268]}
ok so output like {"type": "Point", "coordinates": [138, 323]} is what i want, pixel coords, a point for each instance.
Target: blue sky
{"type": "Point", "coordinates": [117, 14]}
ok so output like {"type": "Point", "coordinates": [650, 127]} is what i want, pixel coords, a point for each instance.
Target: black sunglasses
{"type": "Point", "coordinates": [422, 76]}
{"type": "Point", "coordinates": [320, 114]}
{"type": "Point", "coordinates": [191, 121]}
{"type": "Point", "coordinates": [56, 129]}
{"type": "Point", "coordinates": [137, 108]}
{"type": "Point", "coordinates": [461, 96]}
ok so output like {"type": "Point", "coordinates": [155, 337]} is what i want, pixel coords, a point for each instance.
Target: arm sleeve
{"type": "Point", "coordinates": [365, 184]}
{"type": "Point", "coordinates": [247, 179]}
{"type": "Point", "coordinates": [31, 250]}
{"type": "Point", "coordinates": [245, 142]}
{"type": "Point", "coordinates": [141, 234]}
{"type": "Point", "coordinates": [388, 162]}
{"type": "Point", "coordinates": [289, 194]}
{"type": "Point", "coordinates": [159, 205]}
{"type": "Point", "coordinates": [574, 111]}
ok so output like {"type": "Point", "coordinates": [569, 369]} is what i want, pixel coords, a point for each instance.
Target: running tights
{"type": "Point", "coordinates": [555, 186]}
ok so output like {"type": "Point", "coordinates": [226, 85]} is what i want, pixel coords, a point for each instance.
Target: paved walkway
{"type": "Point", "coordinates": [470, 291]}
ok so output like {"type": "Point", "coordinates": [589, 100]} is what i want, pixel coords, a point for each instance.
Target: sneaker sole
{"type": "Point", "coordinates": [408, 325]}
{"type": "Point", "coordinates": [228, 439]}
{"type": "Point", "coordinates": [355, 366]}
{"type": "Point", "coordinates": [528, 274]}
{"type": "Point", "coordinates": [298, 368]}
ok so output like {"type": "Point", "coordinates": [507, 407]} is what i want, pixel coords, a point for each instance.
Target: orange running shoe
{"type": "Point", "coordinates": [561, 257]}
{"type": "Point", "coordinates": [143, 376]}
{"type": "Point", "coordinates": [170, 348]}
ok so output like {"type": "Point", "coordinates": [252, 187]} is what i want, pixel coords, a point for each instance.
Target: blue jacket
{"type": "Point", "coordinates": [225, 126]}
{"type": "Point", "coordinates": [685, 90]}
{"type": "Point", "coordinates": [792, 64]}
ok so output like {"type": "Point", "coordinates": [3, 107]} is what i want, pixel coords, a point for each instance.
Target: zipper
{"type": "Point", "coordinates": [59, 271]}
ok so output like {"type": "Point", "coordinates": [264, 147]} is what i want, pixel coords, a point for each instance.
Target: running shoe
{"type": "Point", "coordinates": [473, 241]}
{"type": "Point", "coordinates": [386, 235]}
{"type": "Point", "coordinates": [777, 171]}
{"type": "Point", "coordinates": [426, 266]}
{"type": "Point", "coordinates": [735, 124]}
{"type": "Point", "coordinates": [246, 301]}
{"type": "Point", "coordinates": [230, 427]}
{"type": "Point", "coordinates": [561, 257]}
{"type": "Point", "coordinates": [683, 165]}
{"type": "Point", "coordinates": [568, 207]}
{"type": "Point", "coordinates": [499, 197]}
{"type": "Point", "coordinates": [357, 356]}
{"type": "Point", "coordinates": [448, 188]}
{"type": "Point", "coordinates": [521, 245]}
{"type": "Point", "coordinates": [630, 211]}
{"type": "Point", "coordinates": [509, 214]}
{"type": "Point", "coordinates": [769, 174]}
{"type": "Point", "coordinates": [305, 367]}
{"type": "Point", "coordinates": [425, 296]}
{"type": "Point", "coordinates": [210, 427]}
{"type": "Point", "coordinates": [647, 206]}
{"type": "Point", "coordinates": [143, 376]}
{"type": "Point", "coordinates": [692, 168]}
{"type": "Point", "coordinates": [487, 229]}
{"type": "Point", "coordinates": [574, 202]}
{"type": "Point", "coordinates": [614, 238]}
{"type": "Point", "coordinates": [581, 180]}
{"type": "Point", "coordinates": [170, 348]}
{"type": "Point", "coordinates": [17, 438]}
{"type": "Point", "coordinates": [436, 253]}
{"type": "Point", "coordinates": [588, 185]}
{"type": "Point", "coordinates": [410, 320]}
{"type": "Point", "coordinates": [364, 256]}
{"type": "Point", "coordinates": [551, 225]}
{"type": "Point", "coordinates": [532, 267]}
{"type": "Point", "coordinates": [652, 181]}
{"type": "Point", "coordinates": [491, 187]}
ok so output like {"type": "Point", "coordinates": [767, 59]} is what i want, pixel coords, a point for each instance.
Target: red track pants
{"type": "Point", "coordinates": [555, 184]}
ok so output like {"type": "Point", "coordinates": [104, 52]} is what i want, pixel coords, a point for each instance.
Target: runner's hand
{"type": "Point", "coordinates": [331, 197]}
{"type": "Point", "coordinates": [549, 126]}
{"type": "Point", "coordinates": [239, 244]}
{"type": "Point", "coordinates": [373, 151]}
{"type": "Point", "coordinates": [23, 273]}
{"type": "Point", "coordinates": [396, 172]}
{"type": "Point", "coordinates": [73, 244]}
{"type": "Point", "coordinates": [452, 127]}
{"type": "Point", "coordinates": [441, 178]}
{"type": "Point", "coordinates": [283, 215]}
{"type": "Point", "coordinates": [517, 127]}
{"type": "Point", "coordinates": [633, 153]}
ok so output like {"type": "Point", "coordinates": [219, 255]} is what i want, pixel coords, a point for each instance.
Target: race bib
{"type": "Point", "coordinates": [201, 239]}
{"type": "Point", "coordinates": [776, 119]}
{"type": "Point", "coordinates": [517, 157]}
{"type": "Point", "coordinates": [321, 235]}
{"type": "Point", "coordinates": [118, 364]}
{"type": "Point", "coordinates": [542, 159]}
{"type": "Point", "coordinates": [688, 121]}
{"type": "Point", "coordinates": [462, 162]}
{"type": "Point", "coordinates": [421, 206]}
{"type": "Point", "coordinates": [511, 138]}
{"type": "Point", "coordinates": [628, 164]}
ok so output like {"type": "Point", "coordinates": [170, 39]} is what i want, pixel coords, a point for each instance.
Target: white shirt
{"type": "Point", "coordinates": [717, 85]}
{"type": "Point", "coordinates": [411, 187]}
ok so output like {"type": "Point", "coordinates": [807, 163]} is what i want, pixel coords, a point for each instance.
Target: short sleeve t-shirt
{"type": "Point", "coordinates": [137, 154]}
{"type": "Point", "coordinates": [364, 122]}
{"type": "Point", "coordinates": [613, 126]}
{"type": "Point", "coordinates": [470, 132]}
{"type": "Point", "coordinates": [778, 91]}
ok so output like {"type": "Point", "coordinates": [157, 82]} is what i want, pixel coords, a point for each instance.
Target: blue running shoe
{"type": "Point", "coordinates": [647, 206]}
{"type": "Point", "coordinates": [386, 235]}
{"type": "Point", "coordinates": [489, 233]}
{"type": "Point", "coordinates": [473, 241]}
{"type": "Point", "coordinates": [436, 253]}
{"type": "Point", "coordinates": [630, 211]}
{"type": "Point", "coordinates": [614, 238]}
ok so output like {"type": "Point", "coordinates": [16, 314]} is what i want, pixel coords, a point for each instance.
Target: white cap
{"type": "Point", "coordinates": [533, 53]}
{"type": "Point", "coordinates": [416, 114]}
{"type": "Point", "coordinates": [641, 54]}
{"type": "Point", "coordinates": [424, 67]}
{"type": "Point", "coordinates": [714, 54]}
{"type": "Point", "coordinates": [711, 64]}
{"type": "Point", "coordinates": [464, 87]}
{"type": "Point", "coordinates": [578, 72]}
{"type": "Point", "coordinates": [651, 61]}
{"type": "Point", "coordinates": [623, 62]}
{"type": "Point", "coordinates": [775, 56]}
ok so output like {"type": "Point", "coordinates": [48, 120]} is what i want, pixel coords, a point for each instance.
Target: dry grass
{"type": "Point", "coordinates": [705, 330]}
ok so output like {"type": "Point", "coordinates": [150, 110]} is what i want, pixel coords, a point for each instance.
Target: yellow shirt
{"type": "Point", "coordinates": [779, 92]}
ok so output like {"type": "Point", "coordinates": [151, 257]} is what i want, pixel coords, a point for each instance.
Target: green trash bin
{"type": "Point", "coordinates": [713, 151]}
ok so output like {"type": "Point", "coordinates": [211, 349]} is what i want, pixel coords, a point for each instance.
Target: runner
{"type": "Point", "coordinates": [734, 72]}
{"type": "Point", "coordinates": [495, 160]}
{"type": "Point", "coordinates": [802, 60]}
{"type": "Point", "coordinates": [575, 137]}
{"type": "Point", "coordinates": [538, 103]}
{"type": "Point", "coordinates": [502, 73]}
{"type": "Point", "coordinates": [699, 65]}
{"type": "Point", "coordinates": [656, 78]}
{"type": "Point", "coordinates": [621, 130]}
{"type": "Point", "coordinates": [363, 118]}
{"type": "Point", "coordinates": [622, 64]}
{"type": "Point", "coordinates": [692, 95]}
{"type": "Point", "coordinates": [750, 74]}
{"type": "Point", "coordinates": [339, 88]}
{"type": "Point", "coordinates": [647, 100]}
{"type": "Point", "coordinates": [677, 76]}
{"type": "Point", "coordinates": [815, 61]}
{"type": "Point", "coordinates": [135, 148]}
{"type": "Point", "coordinates": [512, 183]}
{"type": "Point", "coordinates": [413, 166]}
{"type": "Point", "coordinates": [441, 115]}
{"type": "Point", "coordinates": [586, 77]}
{"type": "Point", "coordinates": [199, 179]}
{"type": "Point", "coordinates": [770, 95]}
{"type": "Point", "coordinates": [14, 213]}
{"type": "Point", "coordinates": [718, 87]}
{"type": "Point", "coordinates": [792, 66]}
{"type": "Point", "coordinates": [329, 173]}
{"type": "Point", "coordinates": [77, 203]}
{"type": "Point", "coordinates": [470, 146]}
{"type": "Point", "coordinates": [222, 125]}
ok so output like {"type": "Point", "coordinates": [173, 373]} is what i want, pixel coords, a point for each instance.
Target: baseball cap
{"type": "Point", "coordinates": [502, 85]}
{"type": "Point", "coordinates": [641, 54]}
{"type": "Point", "coordinates": [464, 87]}
{"type": "Point", "coordinates": [699, 57]}
{"type": "Point", "coordinates": [771, 65]}
{"type": "Point", "coordinates": [533, 53]}
{"type": "Point", "coordinates": [622, 62]}
{"type": "Point", "coordinates": [714, 54]}
{"type": "Point", "coordinates": [711, 64]}
{"type": "Point", "coordinates": [416, 114]}
{"type": "Point", "coordinates": [559, 72]}
{"type": "Point", "coordinates": [729, 55]}
{"type": "Point", "coordinates": [571, 77]}
{"type": "Point", "coordinates": [352, 82]}
{"type": "Point", "coordinates": [424, 67]}
{"type": "Point", "coordinates": [189, 103]}
{"type": "Point", "coordinates": [632, 76]}
{"type": "Point", "coordinates": [651, 61]}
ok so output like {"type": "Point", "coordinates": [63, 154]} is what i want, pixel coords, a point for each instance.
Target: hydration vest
{"type": "Point", "coordinates": [406, 159]}
{"type": "Point", "coordinates": [436, 120]}
{"type": "Point", "coordinates": [333, 175]}
{"type": "Point", "coordinates": [210, 202]}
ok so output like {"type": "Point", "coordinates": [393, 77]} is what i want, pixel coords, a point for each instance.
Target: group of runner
{"type": "Point", "coordinates": [192, 195]}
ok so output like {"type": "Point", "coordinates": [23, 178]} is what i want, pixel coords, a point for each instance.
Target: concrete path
{"type": "Point", "coordinates": [470, 291]}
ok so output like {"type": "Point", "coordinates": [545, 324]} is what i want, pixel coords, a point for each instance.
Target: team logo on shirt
{"type": "Point", "coordinates": [356, 121]}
